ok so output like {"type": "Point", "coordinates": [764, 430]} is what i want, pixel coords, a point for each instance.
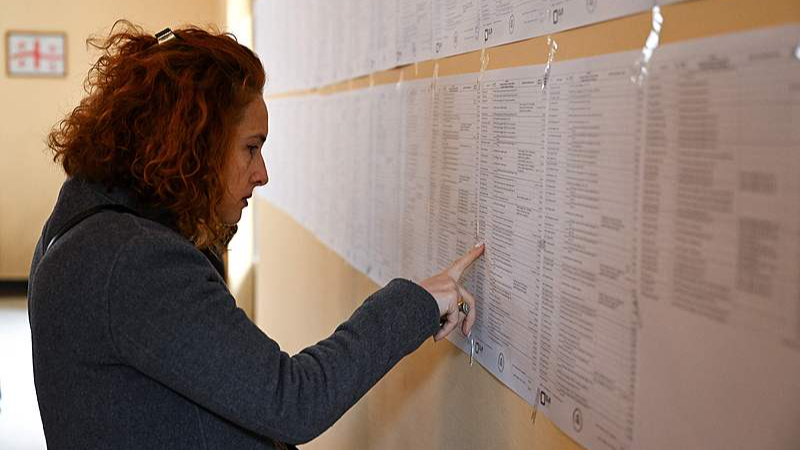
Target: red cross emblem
{"type": "Point", "coordinates": [32, 54]}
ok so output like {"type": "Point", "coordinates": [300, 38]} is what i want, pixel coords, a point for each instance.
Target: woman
{"type": "Point", "coordinates": [137, 341]}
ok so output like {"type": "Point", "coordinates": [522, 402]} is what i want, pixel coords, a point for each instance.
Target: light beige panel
{"type": "Point", "coordinates": [303, 291]}
{"type": "Point", "coordinates": [241, 271]}
{"type": "Point", "coordinates": [433, 399]}
{"type": "Point", "coordinates": [29, 181]}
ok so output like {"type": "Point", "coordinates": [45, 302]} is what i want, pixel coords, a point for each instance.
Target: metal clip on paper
{"type": "Point", "coordinates": [165, 35]}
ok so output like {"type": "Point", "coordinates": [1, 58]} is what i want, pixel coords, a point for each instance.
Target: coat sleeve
{"type": "Point", "coordinates": [173, 319]}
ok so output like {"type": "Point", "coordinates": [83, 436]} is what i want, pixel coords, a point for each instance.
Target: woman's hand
{"type": "Point", "coordinates": [449, 294]}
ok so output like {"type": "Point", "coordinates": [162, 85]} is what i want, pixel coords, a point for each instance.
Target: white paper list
{"type": "Point", "coordinates": [417, 117]}
{"type": "Point", "coordinates": [456, 27]}
{"type": "Point", "coordinates": [383, 35]}
{"type": "Point", "coordinates": [414, 31]}
{"type": "Point", "coordinates": [568, 14]}
{"type": "Point", "coordinates": [587, 356]}
{"type": "Point", "coordinates": [511, 173]}
{"type": "Point", "coordinates": [453, 170]}
{"type": "Point", "coordinates": [720, 252]}
{"type": "Point", "coordinates": [386, 188]}
{"type": "Point", "coordinates": [504, 21]}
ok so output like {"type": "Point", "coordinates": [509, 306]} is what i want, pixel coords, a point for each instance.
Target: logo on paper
{"type": "Point", "coordinates": [577, 420]}
{"type": "Point", "coordinates": [501, 362]}
{"type": "Point", "coordinates": [557, 13]}
{"type": "Point", "coordinates": [591, 5]}
{"type": "Point", "coordinates": [544, 399]}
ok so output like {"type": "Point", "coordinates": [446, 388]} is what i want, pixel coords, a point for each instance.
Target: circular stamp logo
{"type": "Point", "coordinates": [577, 419]}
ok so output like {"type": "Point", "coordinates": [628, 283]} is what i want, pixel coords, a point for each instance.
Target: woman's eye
{"type": "Point", "coordinates": [253, 149]}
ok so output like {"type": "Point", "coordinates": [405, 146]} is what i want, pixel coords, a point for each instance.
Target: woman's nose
{"type": "Point", "coordinates": [261, 177]}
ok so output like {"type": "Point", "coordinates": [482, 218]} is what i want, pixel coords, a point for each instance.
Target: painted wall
{"type": "Point", "coordinates": [241, 263]}
{"type": "Point", "coordinates": [433, 399]}
{"type": "Point", "coordinates": [29, 107]}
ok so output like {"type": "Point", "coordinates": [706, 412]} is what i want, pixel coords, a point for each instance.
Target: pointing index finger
{"type": "Point", "coordinates": [465, 261]}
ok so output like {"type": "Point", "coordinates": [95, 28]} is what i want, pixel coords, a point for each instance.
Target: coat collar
{"type": "Point", "coordinates": [79, 195]}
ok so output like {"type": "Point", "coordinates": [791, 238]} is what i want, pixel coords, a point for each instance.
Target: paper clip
{"type": "Point", "coordinates": [165, 35]}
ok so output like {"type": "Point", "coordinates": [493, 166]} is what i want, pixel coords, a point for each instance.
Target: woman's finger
{"type": "Point", "coordinates": [451, 313]}
{"type": "Point", "coordinates": [469, 321]}
{"type": "Point", "coordinates": [448, 327]}
{"type": "Point", "coordinates": [465, 261]}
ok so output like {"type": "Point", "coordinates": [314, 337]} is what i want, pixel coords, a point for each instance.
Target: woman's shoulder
{"type": "Point", "coordinates": [90, 227]}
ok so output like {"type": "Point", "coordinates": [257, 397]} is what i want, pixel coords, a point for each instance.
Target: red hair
{"type": "Point", "coordinates": [158, 119]}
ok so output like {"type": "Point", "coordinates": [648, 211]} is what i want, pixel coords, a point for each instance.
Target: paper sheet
{"type": "Point", "coordinates": [416, 138]}
{"type": "Point", "coordinates": [511, 169]}
{"type": "Point", "coordinates": [414, 31]}
{"type": "Point", "coordinates": [456, 27]}
{"type": "Point", "coordinates": [720, 259]}
{"type": "Point", "coordinates": [386, 183]}
{"type": "Point", "coordinates": [504, 21]}
{"type": "Point", "coordinates": [593, 149]}
{"type": "Point", "coordinates": [453, 170]}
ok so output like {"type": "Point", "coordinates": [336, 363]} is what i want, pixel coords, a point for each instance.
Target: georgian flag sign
{"type": "Point", "coordinates": [35, 54]}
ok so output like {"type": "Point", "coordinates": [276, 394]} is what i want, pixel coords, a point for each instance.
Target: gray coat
{"type": "Point", "coordinates": [138, 344]}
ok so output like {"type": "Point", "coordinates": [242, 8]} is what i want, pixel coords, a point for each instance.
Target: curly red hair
{"type": "Point", "coordinates": [158, 119]}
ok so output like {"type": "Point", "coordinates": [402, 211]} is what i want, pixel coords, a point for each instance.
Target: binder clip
{"type": "Point", "coordinates": [165, 35]}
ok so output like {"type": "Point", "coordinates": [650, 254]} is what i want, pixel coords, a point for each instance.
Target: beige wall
{"type": "Point", "coordinates": [433, 399]}
{"type": "Point", "coordinates": [29, 181]}
{"type": "Point", "coordinates": [239, 20]}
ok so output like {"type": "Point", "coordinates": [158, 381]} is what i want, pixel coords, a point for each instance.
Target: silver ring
{"type": "Point", "coordinates": [464, 307]}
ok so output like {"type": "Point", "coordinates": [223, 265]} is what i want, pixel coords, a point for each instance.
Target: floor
{"type": "Point", "coordinates": [20, 424]}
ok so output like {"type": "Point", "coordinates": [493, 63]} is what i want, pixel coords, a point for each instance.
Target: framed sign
{"type": "Point", "coordinates": [37, 54]}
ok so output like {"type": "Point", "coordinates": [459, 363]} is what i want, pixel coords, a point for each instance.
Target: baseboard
{"type": "Point", "coordinates": [13, 288]}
